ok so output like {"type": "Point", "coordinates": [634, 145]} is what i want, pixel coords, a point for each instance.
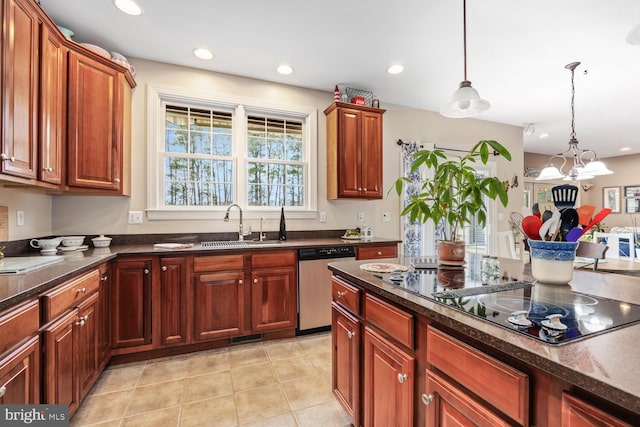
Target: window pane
{"type": "Point", "coordinates": [176, 117]}
{"type": "Point", "coordinates": [222, 171]}
{"type": "Point", "coordinates": [199, 169]}
{"type": "Point", "coordinates": [295, 195]}
{"type": "Point", "coordinates": [221, 144]}
{"type": "Point", "coordinates": [200, 143]}
{"type": "Point", "coordinates": [175, 193]}
{"type": "Point", "coordinates": [200, 193]}
{"type": "Point", "coordinates": [257, 173]}
{"type": "Point", "coordinates": [176, 141]}
{"type": "Point", "coordinates": [276, 174]}
{"type": "Point", "coordinates": [275, 145]}
{"type": "Point", "coordinates": [175, 169]}
{"type": "Point", "coordinates": [293, 148]}
{"type": "Point", "coordinates": [256, 148]}
{"type": "Point", "coordinates": [200, 120]}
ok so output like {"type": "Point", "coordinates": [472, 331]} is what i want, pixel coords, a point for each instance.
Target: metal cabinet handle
{"type": "Point", "coordinates": [3, 156]}
{"type": "Point", "coordinates": [146, 271]}
{"type": "Point", "coordinates": [402, 378]}
{"type": "Point", "coordinates": [341, 294]}
{"type": "Point", "coordinates": [365, 188]}
{"type": "Point", "coordinates": [82, 320]}
{"type": "Point", "coordinates": [104, 278]}
{"type": "Point", "coordinates": [116, 181]}
{"type": "Point", "coordinates": [255, 280]}
{"type": "Point", "coordinates": [351, 334]}
{"type": "Point", "coordinates": [48, 169]}
{"type": "Point", "coordinates": [3, 390]}
{"type": "Point", "coordinates": [240, 282]}
{"type": "Point", "coordinates": [359, 188]}
{"type": "Point", "coordinates": [164, 268]}
{"type": "Point", "coordinates": [81, 291]}
{"type": "Point", "coordinates": [427, 399]}
{"type": "Point", "coordinates": [379, 253]}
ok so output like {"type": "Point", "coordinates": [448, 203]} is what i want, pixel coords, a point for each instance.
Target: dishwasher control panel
{"type": "Point", "coordinates": [326, 252]}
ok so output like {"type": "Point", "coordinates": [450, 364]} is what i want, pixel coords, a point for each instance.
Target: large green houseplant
{"type": "Point", "coordinates": [455, 194]}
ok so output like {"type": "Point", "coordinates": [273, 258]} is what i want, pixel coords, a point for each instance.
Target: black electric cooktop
{"type": "Point", "coordinates": [549, 313]}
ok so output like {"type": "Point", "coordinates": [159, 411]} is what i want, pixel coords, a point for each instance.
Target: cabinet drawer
{"type": "Point", "coordinates": [497, 383]}
{"type": "Point", "coordinates": [346, 295]}
{"type": "Point", "coordinates": [274, 259]}
{"type": "Point", "coordinates": [390, 319]}
{"type": "Point", "coordinates": [68, 294]}
{"type": "Point", "coordinates": [18, 323]}
{"type": "Point", "coordinates": [373, 252]}
{"type": "Point", "coordinates": [218, 263]}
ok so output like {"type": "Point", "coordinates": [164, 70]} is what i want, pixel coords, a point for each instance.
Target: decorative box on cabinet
{"type": "Point", "coordinates": [20, 355]}
{"type": "Point", "coordinates": [354, 151]}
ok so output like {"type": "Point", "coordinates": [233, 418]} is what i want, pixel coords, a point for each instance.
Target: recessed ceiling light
{"type": "Point", "coordinates": [543, 135]}
{"type": "Point", "coordinates": [625, 148]}
{"type": "Point", "coordinates": [129, 7]}
{"type": "Point", "coordinates": [395, 69]}
{"type": "Point", "coordinates": [285, 69]}
{"type": "Point", "coordinates": [203, 53]}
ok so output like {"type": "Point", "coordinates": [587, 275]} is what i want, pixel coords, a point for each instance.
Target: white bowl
{"type": "Point", "coordinates": [72, 240]}
{"type": "Point", "coordinates": [101, 241]}
{"type": "Point", "coordinates": [97, 49]}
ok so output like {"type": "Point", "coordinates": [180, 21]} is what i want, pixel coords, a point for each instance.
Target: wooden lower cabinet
{"type": "Point", "coordinates": [274, 299]}
{"type": "Point", "coordinates": [388, 382]}
{"type": "Point", "coordinates": [218, 305]}
{"type": "Point", "coordinates": [172, 301]}
{"type": "Point", "coordinates": [20, 374]}
{"type": "Point", "coordinates": [71, 357]}
{"type": "Point", "coordinates": [104, 300]}
{"type": "Point", "coordinates": [447, 405]}
{"type": "Point", "coordinates": [131, 303]}
{"type": "Point", "coordinates": [345, 378]}
{"type": "Point", "coordinates": [579, 413]}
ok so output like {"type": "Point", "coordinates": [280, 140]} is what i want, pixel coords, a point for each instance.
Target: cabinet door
{"type": "Point", "coordinates": [20, 374]}
{"type": "Point", "coordinates": [349, 161]}
{"type": "Point", "coordinates": [371, 155]}
{"type": "Point", "coordinates": [218, 305]}
{"type": "Point", "coordinates": [346, 361]}
{"type": "Point", "coordinates": [578, 413]}
{"type": "Point", "coordinates": [94, 145]}
{"type": "Point", "coordinates": [20, 74]}
{"type": "Point", "coordinates": [104, 339]}
{"type": "Point", "coordinates": [448, 405]}
{"type": "Point", "coordinates": [274, 299]}
{"type": "Point", "coordinates": [52, 103]}
{"type": "Point", "coordinates": [131, 303]}
{"type": "Point", "coordinates": [60, 381]}
{"type": "Point", "coordinates": [173, 300]}
{"type": "Point", "coordinates": [88, 328]}
{"type": "Point", "coordinates": [388, 382]}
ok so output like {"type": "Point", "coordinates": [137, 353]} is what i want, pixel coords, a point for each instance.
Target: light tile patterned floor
{"type": "Point", "coordinates": [276, 383]}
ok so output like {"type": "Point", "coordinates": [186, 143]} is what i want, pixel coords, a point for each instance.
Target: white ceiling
{"type": "Point", "coordinates": [516, 52]}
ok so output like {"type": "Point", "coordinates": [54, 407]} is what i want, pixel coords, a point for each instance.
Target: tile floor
{"type": "Point", "coordinates": [276, 383]}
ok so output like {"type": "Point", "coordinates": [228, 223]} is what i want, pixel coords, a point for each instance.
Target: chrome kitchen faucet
{"type": "Point", "coordinates": [226, 219]}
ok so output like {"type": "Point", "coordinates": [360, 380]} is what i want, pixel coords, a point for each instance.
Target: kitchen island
{"type": "Point", "coordinates": [537, 383]}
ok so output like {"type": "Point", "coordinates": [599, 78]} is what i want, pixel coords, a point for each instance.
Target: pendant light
{"type": "Point", "coordinates": [466, 101]}
{"type": "Point", "coordinates": [579, 171]}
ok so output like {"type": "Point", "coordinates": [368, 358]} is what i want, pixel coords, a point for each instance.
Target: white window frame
{"type": "Point", "coordinates": [158, 96]}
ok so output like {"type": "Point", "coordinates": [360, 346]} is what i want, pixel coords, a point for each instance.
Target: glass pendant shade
{"type": "Point", "coordinates": [596, 168]}
{"type": "Point", "coordinates": [465, 102]}
{"type": "Point", "coordinates": [549, 172]}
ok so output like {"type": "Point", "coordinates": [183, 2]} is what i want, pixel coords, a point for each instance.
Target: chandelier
{"type": "Point", "coordinates": [579, 171]}
{"type": "Point", "coordinates": [466, 101]}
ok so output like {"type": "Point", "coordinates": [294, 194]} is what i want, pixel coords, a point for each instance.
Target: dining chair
{"type": "Point", "coordinates": [506, 245]}
{"type": "Point", "coordinates": [597, 251]}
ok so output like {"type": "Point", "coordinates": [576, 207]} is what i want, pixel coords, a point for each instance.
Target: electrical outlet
{"type": "Point", "coordinates": [360, 216]}
{"type": "Point", "coordinates": [20, 218]}
{"type": "Point", "coordinates": [135, 217]}
{"type": "Point", "coordinates": [386, 216]}
{"type": "Point", "coordinates": [323, 217]}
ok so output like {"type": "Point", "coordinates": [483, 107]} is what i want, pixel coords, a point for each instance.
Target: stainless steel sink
{"type": "Point", "coordinates": [232, 244]}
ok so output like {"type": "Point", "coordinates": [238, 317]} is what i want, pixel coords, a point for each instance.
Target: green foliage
{"type": "Point", "coordinates": [455, 194]}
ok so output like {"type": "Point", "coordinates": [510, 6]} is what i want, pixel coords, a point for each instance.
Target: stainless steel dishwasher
{"type": "Point", "coordinates": [314, 285]}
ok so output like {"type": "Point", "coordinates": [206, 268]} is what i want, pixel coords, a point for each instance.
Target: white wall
{"type": "Point", "coordinates": [37, 212]}
{"type": "Point", "coordinates": [90, 214]}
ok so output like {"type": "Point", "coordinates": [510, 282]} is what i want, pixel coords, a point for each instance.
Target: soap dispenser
{"type": "Point", "coordinates": [282, 234]}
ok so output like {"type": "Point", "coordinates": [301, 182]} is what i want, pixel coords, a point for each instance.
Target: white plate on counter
{"type": "Point", "coordinates": [73, 248]}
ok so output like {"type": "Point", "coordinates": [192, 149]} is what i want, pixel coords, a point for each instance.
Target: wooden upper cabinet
{"type": "Point", "coordinates": [52, 105]}
{"type": "Point", "coordinates": [354, 151]}
{"type": "Point", "coordinates": [94, 143]}
{"type": "Point", "coordinates": [20, 77]}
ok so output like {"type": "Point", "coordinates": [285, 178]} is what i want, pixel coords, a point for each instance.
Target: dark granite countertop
{"type": "Point", "coordinates": [605, 364]}
{"type": "Point", "coordinates": [15, 288]}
